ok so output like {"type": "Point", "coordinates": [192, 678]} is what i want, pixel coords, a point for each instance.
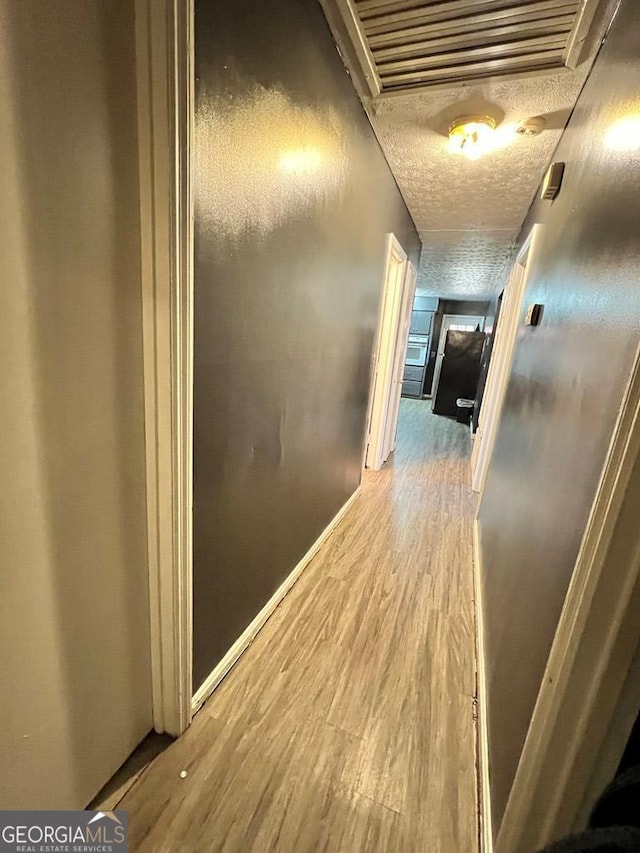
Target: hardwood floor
{"type": "Point", "coordinates": [348, 725]}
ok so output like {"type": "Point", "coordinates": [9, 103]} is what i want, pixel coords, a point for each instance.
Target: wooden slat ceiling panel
{"type": "Point", "coordinates": [474, 24]}
{"type": "Point", "coordinates": [519, 48]}
{"type": "Point", "coordinates": [418, 42]}
{"type": "Point", "coordinates": [450, 10]}
{"type": "Point", "coordinates": [489, 38]}
{"type": "Point", "coordinates": [473, 71]}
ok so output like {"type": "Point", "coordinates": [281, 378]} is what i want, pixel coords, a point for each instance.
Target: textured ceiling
{"type": "Point", "coordinates": [460, 264]}
{"type": "Point", "coordinates": [469, 212]}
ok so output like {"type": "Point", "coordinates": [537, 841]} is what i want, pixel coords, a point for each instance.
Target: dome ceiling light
{"type": "Point", "coordinates": [472, 136]}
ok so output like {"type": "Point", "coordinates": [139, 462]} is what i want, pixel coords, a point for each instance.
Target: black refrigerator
{"type": "Point", "coordinates": [459, 371]}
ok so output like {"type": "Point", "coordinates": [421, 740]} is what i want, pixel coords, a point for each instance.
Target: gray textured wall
{"type": "Point", "coordinates": [74, 608]}
{"type": "Point", "coordinates": [564, 393]}
{"type": "Point", "coordinates": [293, 199]}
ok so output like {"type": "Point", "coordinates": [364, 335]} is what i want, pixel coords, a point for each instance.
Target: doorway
{"type": "Point", "coordinates": [452, 323]}
{"type": "Point", "coordinates": [500, 365]}
{"type": "Point", "coordinates": [389, 354]}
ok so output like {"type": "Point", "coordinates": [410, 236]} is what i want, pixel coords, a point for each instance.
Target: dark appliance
{"type": "Point", "coordinates": [460, 370]}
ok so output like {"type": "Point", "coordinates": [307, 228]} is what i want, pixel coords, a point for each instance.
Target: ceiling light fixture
{"type": "Point", "coordinates": [472, 136]}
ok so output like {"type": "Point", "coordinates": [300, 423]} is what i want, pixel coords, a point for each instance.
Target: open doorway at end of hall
{"type": "Point", "coordinates": [445, 353]}
{"type": "Point", "coordinates": [429, 349]}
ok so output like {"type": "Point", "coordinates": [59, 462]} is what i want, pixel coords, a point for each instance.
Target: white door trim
{"type": "Point", "coordinates": [402, 341]}
{"type": "Point", "coordinates": [500, 365]}
{"type": "Point", "coordinates": [164, 46]}
{"type": "Point", "coordinates": [482, 730]}
{"type": "Point", "coordinates": [589, 695]}
{"type": "Point", "coordinates": [384, 349]}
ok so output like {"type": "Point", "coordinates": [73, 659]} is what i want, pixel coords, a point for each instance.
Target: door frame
{"type": "Point", "coordinates": [402, 341]}
{"type": "Point", "coordinates": [442, 340]}
{"type": "Point", "coordinates": [383, 352]}
{"type": "Point", "coordinates": [165, 80]}
{"type": "Point", "coordinates": [500, 363]}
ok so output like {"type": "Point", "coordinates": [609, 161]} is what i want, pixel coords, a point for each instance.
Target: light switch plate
{"type": "Point", "coordinates": [533, 315]}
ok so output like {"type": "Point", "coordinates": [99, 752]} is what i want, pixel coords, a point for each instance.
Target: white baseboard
{"type": "Point", "coordinates": [486, 830]}
{"type": "Point", "coordinates": [244, 640]}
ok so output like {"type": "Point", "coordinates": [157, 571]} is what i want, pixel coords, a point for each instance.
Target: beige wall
{"type": "Point", "coordinates": [565, 390]}
{"type": "Point", "coordinates": [74, 656]}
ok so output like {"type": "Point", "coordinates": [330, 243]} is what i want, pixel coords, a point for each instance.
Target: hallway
{"type": "Point", "coordinates": [348, 724]}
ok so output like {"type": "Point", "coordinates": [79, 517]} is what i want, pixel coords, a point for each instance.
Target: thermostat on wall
{"type": "Point", "coordinates": [533, 315]}
{"type": "Point", "coordinates": [552, 181]}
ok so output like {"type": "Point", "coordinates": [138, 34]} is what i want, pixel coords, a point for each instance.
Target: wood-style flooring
{"type": "Point", "coordinates": [348, 725]}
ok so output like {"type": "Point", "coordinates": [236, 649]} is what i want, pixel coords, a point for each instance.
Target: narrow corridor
{"type": "Point", "coordinates": [348, 724]}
